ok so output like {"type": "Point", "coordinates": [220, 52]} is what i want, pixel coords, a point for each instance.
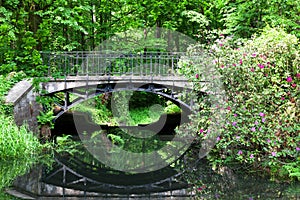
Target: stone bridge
{"type": "Point", "coordinates": [84, 75]}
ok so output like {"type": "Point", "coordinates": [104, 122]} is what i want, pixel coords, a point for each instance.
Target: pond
{"type": "Point", "coordinates": [226, 184]}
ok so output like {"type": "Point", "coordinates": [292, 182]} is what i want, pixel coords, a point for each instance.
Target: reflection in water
{"type": "Point", "coordinates": [9, 171]}
{"type": "Point", "coordinates": [210, 185]}
{"type": "Point", "coordinates": [226, 184]}
{"type": "Point", "coordinates": [238, 185]}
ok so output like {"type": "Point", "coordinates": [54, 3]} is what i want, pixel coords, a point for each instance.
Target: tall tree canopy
{"type": "Point", "coordinates": [30, 26]}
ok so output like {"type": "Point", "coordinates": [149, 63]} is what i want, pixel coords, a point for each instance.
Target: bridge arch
{"type": "Point", "coordinates": [85, 93]}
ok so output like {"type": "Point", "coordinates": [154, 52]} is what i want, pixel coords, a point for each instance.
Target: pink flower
{"type": "Point", "coordinates": [297, 148]}
{"type": "Point", "coordinates": [221, 44]}
{"type": "Point", "coordinates": [253, 129]}
{"type": "Point", "coordinates": [273, 153]}
{"type": "Point", "coordinates": [235, 115]}
{"type": "Point", "coordinates": [261, 66]}
{"type": "Point", "coordinates": [218, 138]}
{"type": "Point", "coordinates": [294, 85]}
{"type": "Point", "coordinates": [268, 140]}
{"type": "Point", "coordinates": [298, 75]}
{"type": "Point", "coordinates": [282, 98]}
{"type": "Point", "coordinates": [261, 114]}
{"type": "Point", "coordinates": [289, 79]}
{"type": "Point", "coordinates": [201, 188]}
{"type": "Point", "coordinates": [234, 64]}
{"type": "Point", "coordinates": [256, 122]}
{"type": "Point", "coordinates": [222, 66]}
{"type": "Point", "coordinates": [241, 61]}
{"type": "Point", "coordinates": [252, 69]}
{"type": "Point", "coordinates": [251, 156]}
{"type": "Point", "coordinates": [263, 120]}
{"type": "Point", "coordinates": [234, 123]}
{"type": "Point", "coordinates": [228, 108]}
{"type": "Point", "coordinates": [240, 152]}
{"type": "Point", "coordinates": [238, 137]}
{"type": "Point", "coordinates": [197, 76]}
{"type": "Point", "coordinates": [254, 55]}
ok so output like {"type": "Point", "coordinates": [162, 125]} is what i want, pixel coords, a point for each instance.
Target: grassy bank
{"type": "Point", "coordinates": [19, 148]}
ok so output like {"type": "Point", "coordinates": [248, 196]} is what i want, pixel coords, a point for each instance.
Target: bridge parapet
{"type": "Point", "coordinates": [99, 63]}
{"type": "Point", "coordinates": [26, 109]}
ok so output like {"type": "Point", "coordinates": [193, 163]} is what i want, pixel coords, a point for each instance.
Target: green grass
{"type": "Point", "coordinates": [4, 196]}
{"type": "Point", "coordinates": [144, 116]}
{"type": "Point", "coordinates": [16, 142]}
{"type": "Point", "coordinates": [19, 148]}
{"type": "Point", "coordinates": [99, 115]}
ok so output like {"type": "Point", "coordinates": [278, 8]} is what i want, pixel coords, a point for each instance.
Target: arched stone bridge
{"type": "Point", "coordinates": [87, 74]}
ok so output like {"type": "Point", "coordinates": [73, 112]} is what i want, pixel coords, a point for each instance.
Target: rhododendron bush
{"type": "Point", "coordinates": [261, 78]}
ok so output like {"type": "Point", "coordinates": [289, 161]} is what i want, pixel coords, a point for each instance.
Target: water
{"type": "Point", "coordinates": [227, 184]}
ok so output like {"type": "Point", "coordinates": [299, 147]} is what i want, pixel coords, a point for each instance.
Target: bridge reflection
{"type": "Point", "coordinates": [74, 173]}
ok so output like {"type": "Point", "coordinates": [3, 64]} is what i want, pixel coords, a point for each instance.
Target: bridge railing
{"type": "Point", "coordinates": [96, 63]}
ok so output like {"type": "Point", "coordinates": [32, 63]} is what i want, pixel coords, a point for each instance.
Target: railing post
{"type": "Point", "coordinates": [151, 72]}
{"type": "Point", "coordinates": [76, 64]}
{"type": "Point", "coordinates": [172, 65]}
{"type": "Point", "coordinates": [141, 65]}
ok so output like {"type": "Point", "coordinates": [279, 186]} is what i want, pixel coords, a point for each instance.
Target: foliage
{"type": "Point", "coordinates": [144, 108]}
{"type": "Point", "coordinates": [63, 25]}
{"type": "Point", "coordinates": [7, 82]}
{"type": "Point", "coordinates": [144, 99]}
{"type": "Point", "coordinates": [65, 144]}
{"type": "Point", "coordinates": [129, 142]}
{"type": "Point", "coordinates": [171, 108]}
{"type": "Point", "coordinates": [19, 148]}
{"type": "Point", "coordinates": [261, 80]}
{"type": "Point", "coordinates": [244, 18]}
{"type": "Point", "coordinates": [7, 197]}
{"type": "Point", "coordinates": [11, 169]}
{"type": "Point", "coordinates": [98, 109]}
{"type": "Point", "coordinates": [46, 115]}
{"type": "Point", "coordinates": [16, 142]}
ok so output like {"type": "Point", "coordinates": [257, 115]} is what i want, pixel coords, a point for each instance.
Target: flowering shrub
{"type": "Point", "coordinates": [261, 78]}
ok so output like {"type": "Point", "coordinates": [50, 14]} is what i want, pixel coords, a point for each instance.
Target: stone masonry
{"type": "Point", "coordinates": [26, 109]}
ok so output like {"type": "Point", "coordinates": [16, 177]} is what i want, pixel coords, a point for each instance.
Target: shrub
{"type": "Point", "coordinates": [261, 79]}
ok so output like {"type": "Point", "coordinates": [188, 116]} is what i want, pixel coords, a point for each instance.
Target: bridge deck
{"type": "Point", "coordinates": [71, 82]}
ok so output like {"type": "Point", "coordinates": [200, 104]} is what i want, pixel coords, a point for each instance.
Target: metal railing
{"type": "Point", "coordinates": [96, 63]}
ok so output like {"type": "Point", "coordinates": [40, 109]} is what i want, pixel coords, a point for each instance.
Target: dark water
{"type": "Point", "coordinates": [227, 184]}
